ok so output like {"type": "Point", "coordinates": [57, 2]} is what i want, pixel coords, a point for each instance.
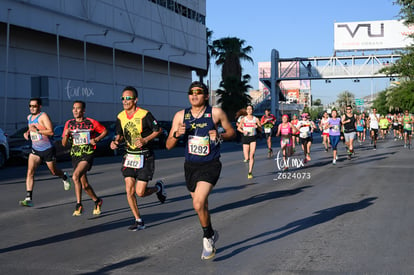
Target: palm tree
{"type": "Point", "coordinates": [345, 98]}
{"type": "Point", "coordinates": [229, 52]}
{"type": "Point", "coordinates": [233, 95]}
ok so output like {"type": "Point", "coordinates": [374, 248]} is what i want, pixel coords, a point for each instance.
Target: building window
{"type": "Point", "coordinates": [40, 88]}
{"type": "Point", "coordinates": [181, 10]}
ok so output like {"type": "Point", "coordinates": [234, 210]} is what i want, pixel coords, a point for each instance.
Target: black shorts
{"type": "Point", "coordinates": [87, 158]}
{"type": "Point", "coordinates": [408, 132]}
{"type": "Point", "coordinates": [47, 155]}
{"type": "Point", "coordinates": [201, 171]}
{"type": "Point", "coordinates": [142, 174]}
{"type": "Point", "coordinates": [248, 139]}
{"type": "Point", "coordinates": [304, 141]}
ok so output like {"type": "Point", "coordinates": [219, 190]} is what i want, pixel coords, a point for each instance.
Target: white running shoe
{"type": "Point", "coordinates": [209, 249]}
{"type": "Point", "coordinates": [66, 183]}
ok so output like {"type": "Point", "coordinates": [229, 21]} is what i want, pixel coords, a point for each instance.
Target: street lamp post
{"type": "Point", "coordinates": [59, 74]}
{"type": "Point", "coordinates": [169, 74]}
{"type": "Point", "coordinates": [143, 66]}
{"type": "Point", "coordinates": [84, 51]}
{"type": "Point", "coordinates": [6, 71]}
{"type": "Point", "coordinates": [114, 68]}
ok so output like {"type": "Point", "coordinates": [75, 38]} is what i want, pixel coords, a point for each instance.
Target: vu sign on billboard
{"type": "Point", "coordinates": [372, 35]}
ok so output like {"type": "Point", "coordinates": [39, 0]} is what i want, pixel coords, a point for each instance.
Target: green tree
{"type": "Point", "coordinates": [317, 102]}
{"type": "Point", "coordinates": [406, 11]}
{"type": "Point", "coordinates": [233, 95]}
{"type": "Point", "coordinates": [229, 52]}
{"type": "Point", "coordinates": [380, 103]}
{"type": "Point", "coordinates": [397, 99]}
{"type": "Point", "coordinates": [345, 98]}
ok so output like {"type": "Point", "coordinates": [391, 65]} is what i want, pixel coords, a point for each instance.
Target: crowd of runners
{"type": "Point", "coordinates": [349, 127]}
{"type": "Point", "coordinates": [198, 127]}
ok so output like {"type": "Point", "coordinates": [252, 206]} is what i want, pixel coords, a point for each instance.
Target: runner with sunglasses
{"type": "Point", "coordinates": [198, 126]}
{"type": "Point", "coordinates": [137, 127]}
{"type": "Point", "coordinates": [40, 132]}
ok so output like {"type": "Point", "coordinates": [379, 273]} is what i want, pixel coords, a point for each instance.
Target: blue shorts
{"type": "Point", "coordinates": [334, 141]}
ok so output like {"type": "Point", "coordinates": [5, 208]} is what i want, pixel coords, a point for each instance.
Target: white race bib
{"type": "Point", "coordinates": [134, 161]}
{"type": "Point", "coordinates": [267, 130]}
{"type": "Point", "coordinates": [35, 136]}
{"type": "Point", "coordinates": [199, 146]}
{"type": "Point", "coordinates": [81, 138]}
{"type": "Point", "coordinates": [285, 141]}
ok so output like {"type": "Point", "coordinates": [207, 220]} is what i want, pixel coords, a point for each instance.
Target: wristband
{"type": "Point", "coordinates": [175, 136]}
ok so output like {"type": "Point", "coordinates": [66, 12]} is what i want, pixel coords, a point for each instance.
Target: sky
{"type": "Point", "coordinates": [296, 28]}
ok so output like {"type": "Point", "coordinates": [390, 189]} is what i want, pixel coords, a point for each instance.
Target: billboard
{"type": "Point", "coordinates": [372, 35]}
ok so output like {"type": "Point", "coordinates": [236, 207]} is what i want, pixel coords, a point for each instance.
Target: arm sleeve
{"type": "Point", "coordinates": [118, 128]}
{"type": "Point", "coordinates": [152, 122]}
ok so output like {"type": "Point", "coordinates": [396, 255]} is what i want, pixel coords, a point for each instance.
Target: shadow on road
{"type": "Point", "coordinates": [259, 198]}
{"type": "Point", "coordinates": [108, 269]}
{"type": "Point", "coordinates": [320, 217]}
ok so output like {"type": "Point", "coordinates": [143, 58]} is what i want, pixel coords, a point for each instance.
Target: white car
{"type": "Point", "coordinates": [4, 149]}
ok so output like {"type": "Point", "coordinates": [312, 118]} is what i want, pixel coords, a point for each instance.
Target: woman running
{"type": "Point", "coordinates": [285, 130]}
{"type": "Point", "coordinates": [325, 130]}
{"type": "Point", "coordinates": [334, 126]}
{"type": "Point", "coordinates": [249, 127]}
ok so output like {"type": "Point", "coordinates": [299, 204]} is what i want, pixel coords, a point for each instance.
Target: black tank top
{"type": "Point", "coordinates": [350, 126]}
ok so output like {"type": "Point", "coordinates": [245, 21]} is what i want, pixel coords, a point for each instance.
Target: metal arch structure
{"type": "Point", "coordinates": [319, 68]}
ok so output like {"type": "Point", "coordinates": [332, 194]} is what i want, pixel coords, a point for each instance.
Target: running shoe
{"type": "Point", "coordinates": [249, 175]}
{"type": "Point", "coordinates": [78, 210]}
{"type": "Point", "coordinates": [245, 160]}
{"type": "Point", "coordinates": [161, 194]}
{"type": "Point", "coordinates": [375, 147]}
{"type": "Point", "coordinates": [137, 226]}
{"type": "Point", "coordinates": [308, 158]}
{"type": "Point", "coordinates": [326, 149]}
{"type": "Point", "coordinates": [334, 161]}
{"type": "Point", "coordinates": [270, 153]}
{"type": "Point", "coordinates": [349, 156]}
{"type": "Point", "coordinates": [66, 182]}
{"type": "Point", "coordinates": [285, 168]}
{"type": "Point", "coordinates": [26, 202]}
{"type": "Point", "coordinates": [405, 145]}
{"type": "Point", "coordinates": [98, 206]}
{"type": "Point", "coordinates": [209, 249]}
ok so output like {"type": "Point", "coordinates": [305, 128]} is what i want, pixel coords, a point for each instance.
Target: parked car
{"type": "Point", "coordinates": [20, 148]}
{"type": "Point", "coordinates": [4, 149]}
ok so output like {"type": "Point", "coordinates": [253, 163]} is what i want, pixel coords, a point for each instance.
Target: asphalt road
{"type": "Point", "coordinates": [351, 218]}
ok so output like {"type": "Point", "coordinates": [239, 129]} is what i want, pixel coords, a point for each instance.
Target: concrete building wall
{"type": "Point", "coordinates": [147, 46]}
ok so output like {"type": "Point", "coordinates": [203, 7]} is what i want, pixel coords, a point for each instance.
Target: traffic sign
{"type": "Point", "coordinates": [359, 101]}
